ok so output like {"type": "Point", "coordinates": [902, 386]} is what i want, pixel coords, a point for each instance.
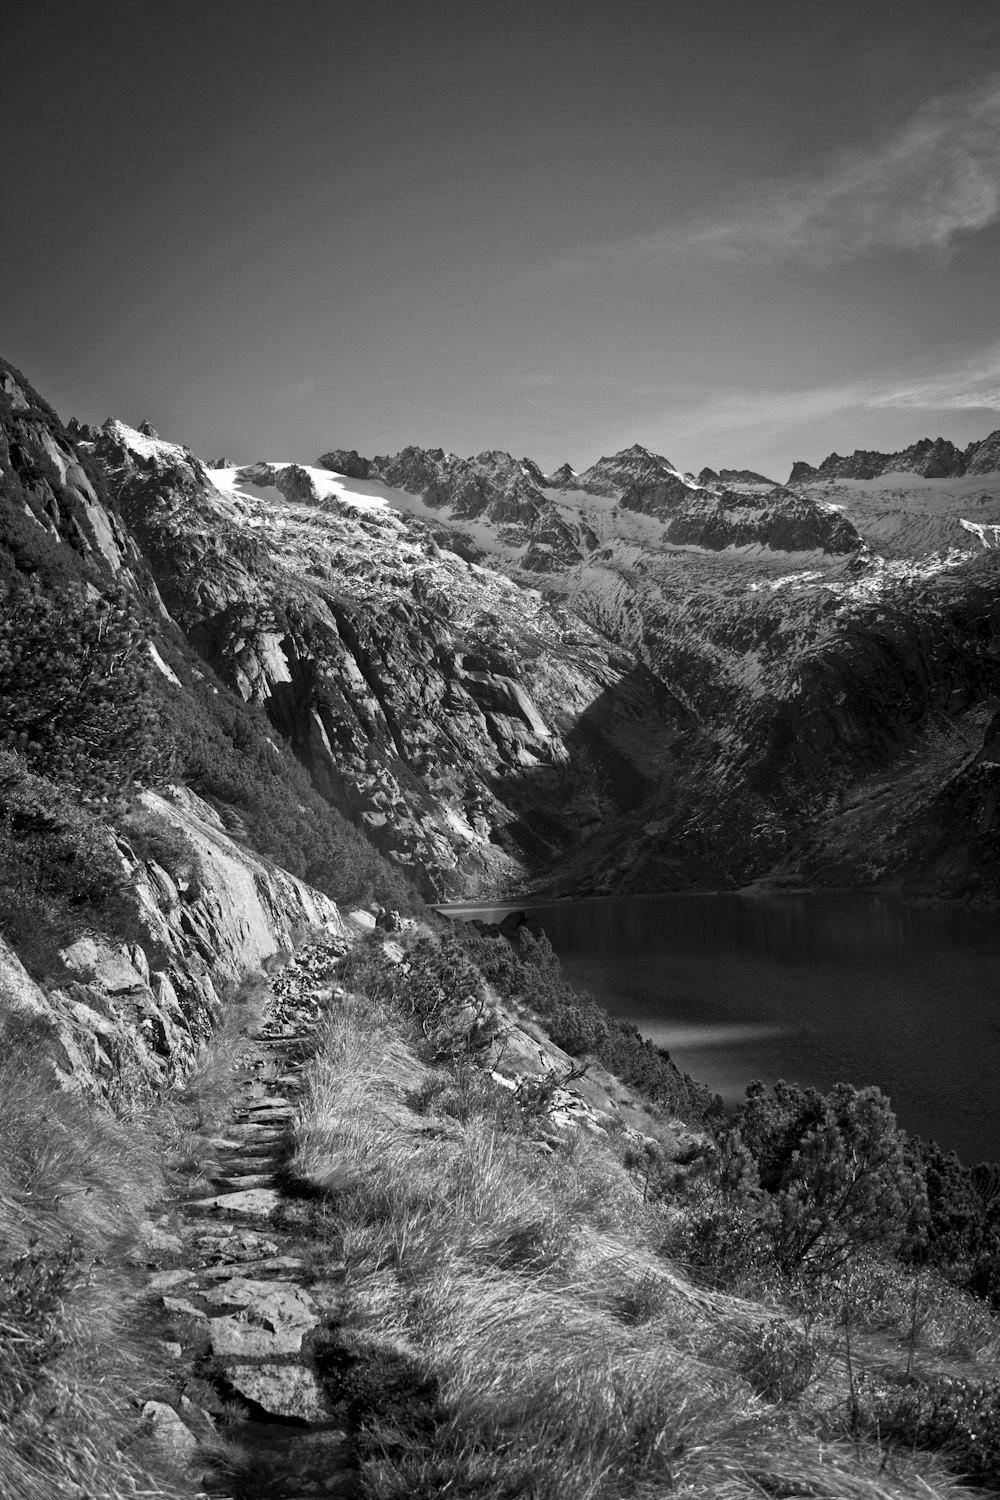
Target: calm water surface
{"type": "Point", "coordinates": [811, 988]}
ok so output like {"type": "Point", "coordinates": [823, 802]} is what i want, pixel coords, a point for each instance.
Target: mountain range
{"type": "Point", "coordinates": [626, 678]}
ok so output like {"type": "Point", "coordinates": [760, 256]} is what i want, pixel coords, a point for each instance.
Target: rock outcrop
{"type": "Point", "coordinates": [141, 1010]}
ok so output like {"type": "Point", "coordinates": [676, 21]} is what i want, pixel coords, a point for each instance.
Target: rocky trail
{"type": "Point", "coordinates": [242, 1284]}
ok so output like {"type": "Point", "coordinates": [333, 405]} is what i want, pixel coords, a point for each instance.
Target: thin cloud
{"type": "Point", "coordinates": [615, 383]}
{"type": "Point", "coordinates": [934, 179]}
{"type": "Point", "coordinates": [973, 384]}
{"type": "Point", "coordinates": [696, 419]}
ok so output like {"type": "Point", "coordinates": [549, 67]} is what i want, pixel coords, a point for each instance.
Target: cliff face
{"type": "Point", "coordinates": [468, 726]}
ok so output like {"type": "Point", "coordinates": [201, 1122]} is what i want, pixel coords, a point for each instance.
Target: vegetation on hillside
{"type": "Point", "coordinates": [529, 1313]}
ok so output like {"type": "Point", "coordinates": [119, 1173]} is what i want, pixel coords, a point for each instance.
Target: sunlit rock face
{"type": "Point", "coordinates": [467, 725]}
{"type": "Point", "coordinates": [143, 1009]}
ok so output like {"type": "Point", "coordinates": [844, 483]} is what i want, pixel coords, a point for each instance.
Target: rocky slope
{"type": "Point", "coordinates": [833, 640]}
{"type": "Point", "coordinates": [616, 678]}
{"type": "Point", "coordinates": [139, 1011]}
{"type": "Point", "coordinates": [466, 724]}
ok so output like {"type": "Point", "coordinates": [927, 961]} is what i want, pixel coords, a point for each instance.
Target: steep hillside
{"type": "Point", "coordinates": [835, 641]}
{"type": "Point", "coordinates": [466, 725]}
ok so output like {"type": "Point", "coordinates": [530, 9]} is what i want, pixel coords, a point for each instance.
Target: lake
{"type": "Point", "coordinates": [811, 988]}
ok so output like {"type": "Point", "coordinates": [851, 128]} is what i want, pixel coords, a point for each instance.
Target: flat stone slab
{"type": "Point", "coordinates": [243, 1247]}
{"type": "Point", "coordinates": [253, 1203]}
{"type": "Point", "coordinates": [278, 1304]}
{"type": "Point", "coordinates": [274, 1318]}
{"type": "Point", "coordinates": [163, 1280]}
{"type": "Point", "coordinates": [185, 1308]}
{"type": "Point", "coordinates": [237, 1339]}
{"type": "Point", "coordinates": [232, 1165]}
{"type": "Point", "coordinates": [282, 1390]}
{"type": "Point", "coordinates": [280, 1264]}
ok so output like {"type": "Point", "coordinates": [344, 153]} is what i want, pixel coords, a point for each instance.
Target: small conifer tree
{"type": "Point", "coordinates": [75, 694]}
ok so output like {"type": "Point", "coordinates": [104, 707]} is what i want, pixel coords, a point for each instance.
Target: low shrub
{"type": "Point", "coordinates": [777, 1358]}
{"type": "Point", "coordinates": [439, 987]}
{"type": "Point", "coordinates": [959, 1418]}
{"type": "Point", "coordinates": [726, 1246]}
{"type": "Point", "coordinates": [154, 838]}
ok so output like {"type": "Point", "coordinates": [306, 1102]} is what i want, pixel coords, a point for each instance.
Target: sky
{"type": "Point", "coordinates": [738, 233]}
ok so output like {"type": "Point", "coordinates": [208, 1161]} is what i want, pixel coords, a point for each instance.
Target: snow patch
{"type": "Point", "coordinates": [142, 446]}
{"type": "Point", "coordinates": [987, 534]}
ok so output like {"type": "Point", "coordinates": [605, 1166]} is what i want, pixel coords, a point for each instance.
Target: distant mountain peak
{"type": "Point", "coordinates": [930, 458]}
{"type": "Point", "coordinates": [139, 442]}
{"type": "Point", "coordinates": [614, 473]}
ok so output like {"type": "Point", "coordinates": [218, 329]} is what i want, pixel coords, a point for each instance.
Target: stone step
{"type": "Point", "coordinates": [254, 1203]}
{"type": "Point", "coordinates": [282, 1390]}
{"type": "Point", "coordinates": [284, 1265]}
{"type": "Point", "coordinates": [240, 1181]}
{"type": "Point", "coordinates": [251, 1161]}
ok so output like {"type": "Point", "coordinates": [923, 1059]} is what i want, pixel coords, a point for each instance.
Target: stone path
{"type": "Point", "coordinates": [244, 1286]}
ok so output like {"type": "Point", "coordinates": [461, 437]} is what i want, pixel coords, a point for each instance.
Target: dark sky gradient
{"type": "Point", "coordinates": [737, 233]}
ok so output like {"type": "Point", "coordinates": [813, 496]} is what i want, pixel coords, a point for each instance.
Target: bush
{"type": "Point", "coordinates": [153, 838]}
{"type": "Point", "coordinates": [439, 987]}
{"type": "Point", "coordinates": [74, 679]}
{"type": "Point", "coordinates": [957, 1417]}
{"type": "Point", "coordinates": [60, 871]}
{"type": "Point", "coordinates": [727, 1247]}
{"type": "Point", "coordinates": [837, 1172]}
{"type": "Point", "coordinates": [32, 1333]}
{"type": "Point", "coordinates": [778, 1359]}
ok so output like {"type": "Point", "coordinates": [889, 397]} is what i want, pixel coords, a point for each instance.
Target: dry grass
{"type": "Point", "coordinates": [74, 1184]}
{"type": "Point", "coordinates": [511, 1328]}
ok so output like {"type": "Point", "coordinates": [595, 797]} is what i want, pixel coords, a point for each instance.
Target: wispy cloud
{"type": "Point", "coordinates": [973, 383]}
{"type": "Point", "coordinates": [770, 426]}
{"type": "Point", "coordinates": [969, 383]}
{"type": "Point", "coordinates": [935, 178]}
